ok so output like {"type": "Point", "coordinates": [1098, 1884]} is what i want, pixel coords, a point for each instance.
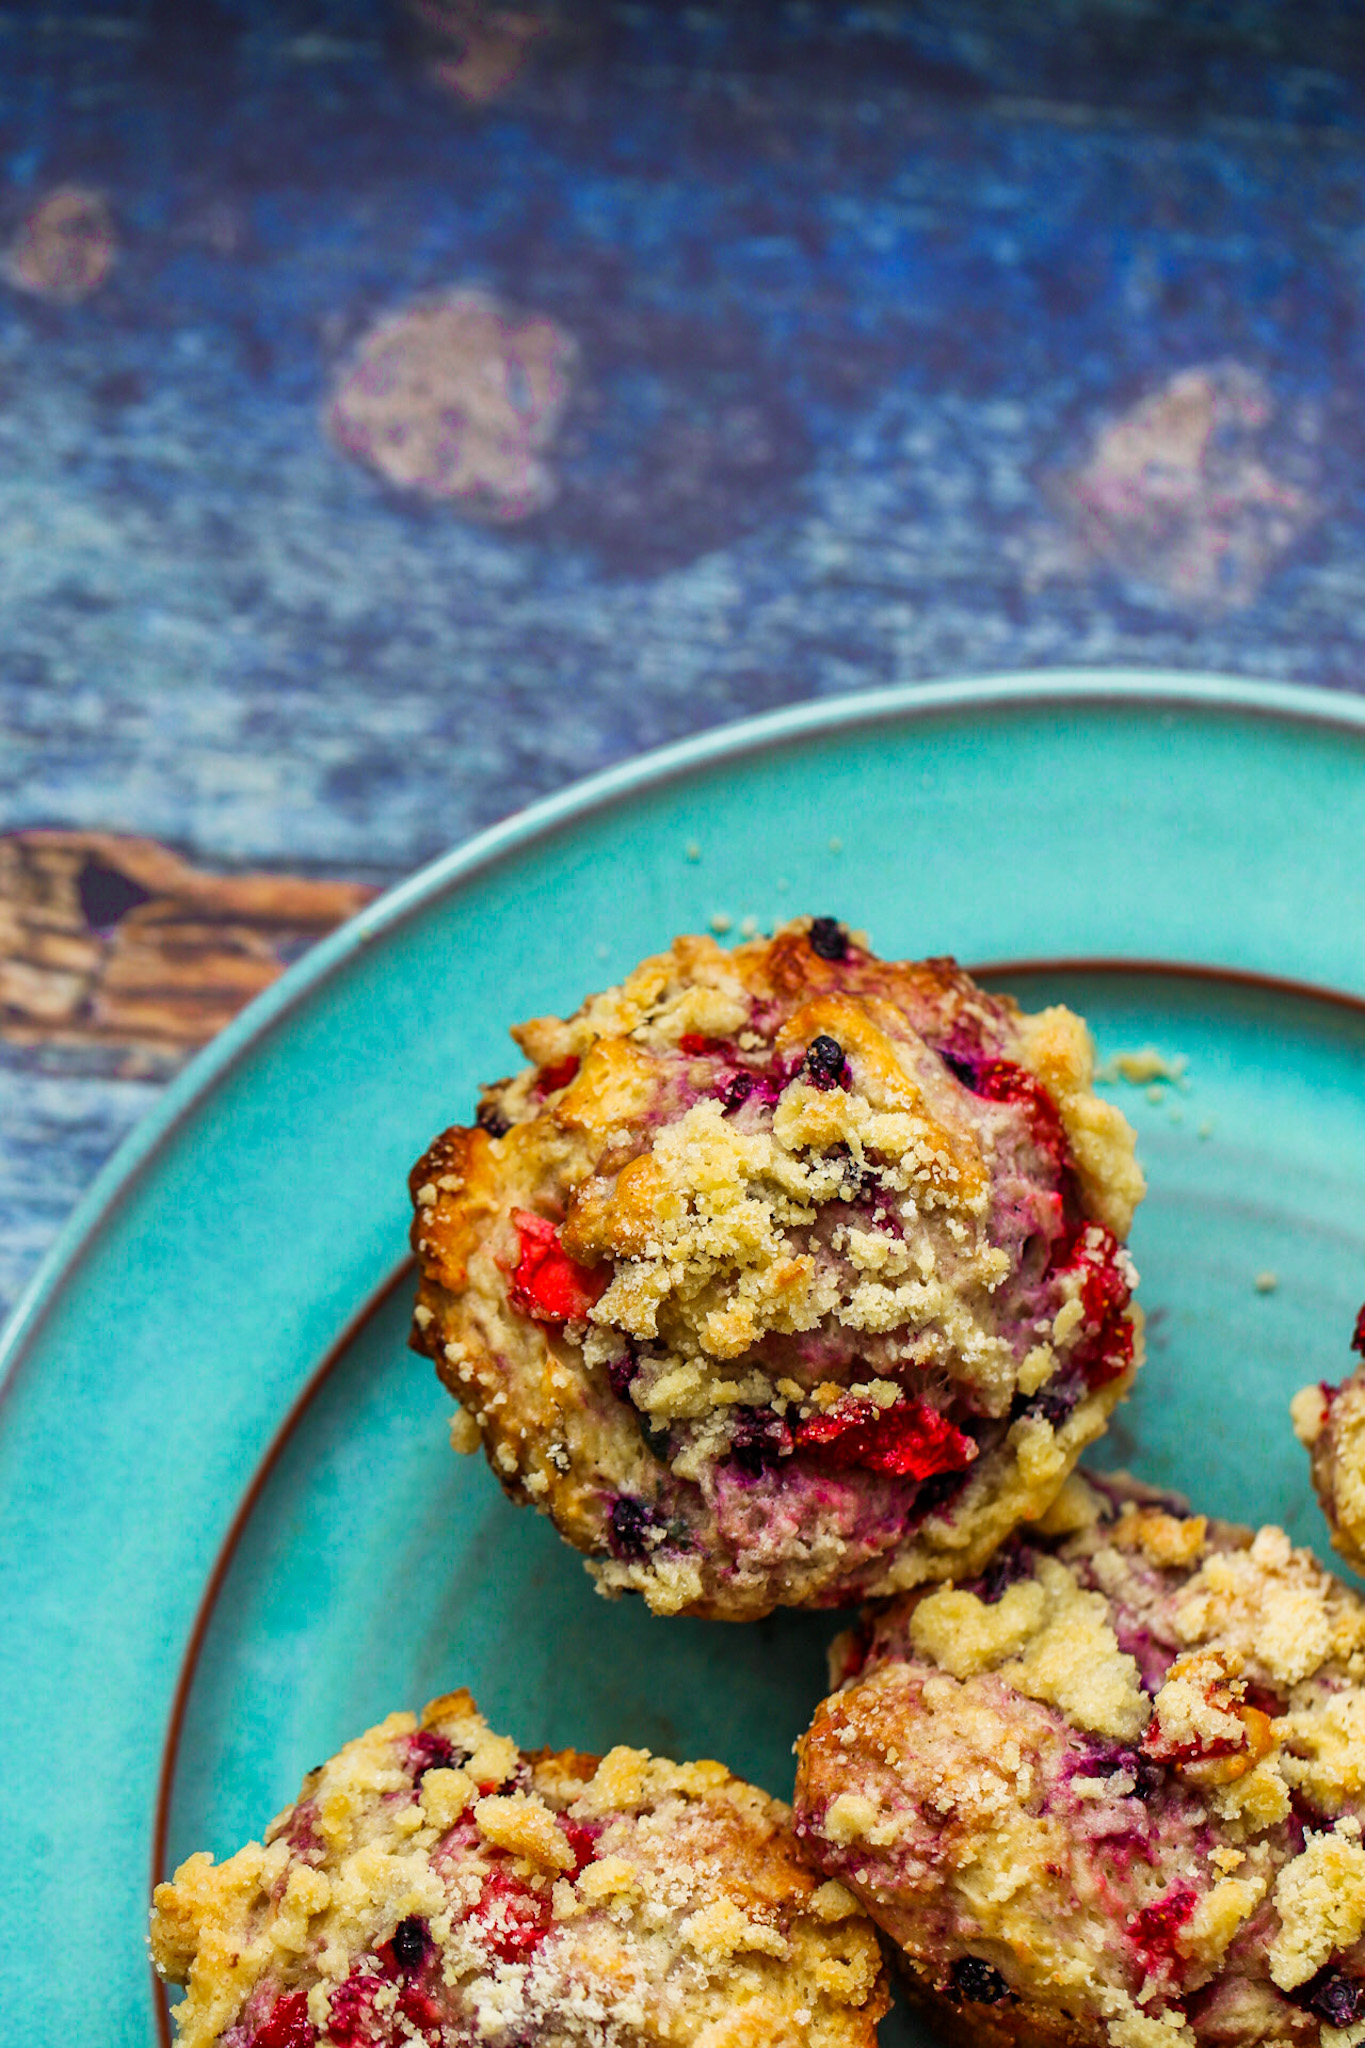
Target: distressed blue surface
{"type": "Point", "coordinates": [853, 287]}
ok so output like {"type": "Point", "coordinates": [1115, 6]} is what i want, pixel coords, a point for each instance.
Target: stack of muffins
{"type": "Point", "coordinates": [787, 1276]}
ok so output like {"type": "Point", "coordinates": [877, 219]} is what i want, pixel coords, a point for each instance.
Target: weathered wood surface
{"type": "Point", "coordinates": [118, 945]}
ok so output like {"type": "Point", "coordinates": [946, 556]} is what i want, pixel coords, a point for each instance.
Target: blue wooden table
{"type": "Point", "coordinates": [405, 409]}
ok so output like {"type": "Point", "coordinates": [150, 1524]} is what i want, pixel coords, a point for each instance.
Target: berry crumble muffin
{"type": "Point", "coordinates": [1112, 1791]}
{"type": "Point", "coordinates": [1330, 1423]}
{"type": "Point", "coordinates": [783, 1276]}
{"type": "Point", "coordinates": [436, 1887]}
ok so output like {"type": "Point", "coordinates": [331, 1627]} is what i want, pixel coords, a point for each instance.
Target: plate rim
{"type": "Point", "coordinates": [1290, 704]}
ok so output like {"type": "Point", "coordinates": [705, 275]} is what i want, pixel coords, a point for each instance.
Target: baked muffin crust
{"type": "Point", "coordinates": [783, 1275]}
{"type": "Point", "coordinates": [435, 1887]}
{"type": "Point", "coordinates": [1330, 1423]}
{"type": "Point", "coordinates": [1111, 1793]}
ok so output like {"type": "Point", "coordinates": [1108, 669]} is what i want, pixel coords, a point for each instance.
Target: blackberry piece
{"type": "Point", "coordinates": [1334, 1997]}
{"type": "Point", "coordinates": [1149, 1776]}
{"type": "Point", "coordinates": [825, 1063]}
{"type": "Point", "coordinates": [738, 1089]}
{"type": "Point", "coordinates": [654, 1435]}
{"type": "Point", "coordinates": [621, 1371]}
{"type": "Point", "coordinates": [936, 1492]}
{"type": "Point", "coordinates": [410, 1943]}
{"type": "Point", "coordinates": [631, 1522]}
{"type": "Point", "coordinates": [979, 1982]}
{"type": "Point", "coordinates": [430, 1752]}
{"type": "Point", "coordinates": [1014, 1562]}
{"type": "Point", "coordinates": [1055, 1403]}
{"type": "Point", "coordinates": [490, 1118]}
{"type": "Point", "coordinates": [828, 939]}
{"type": "Point", "coordinates": [760, 1438]}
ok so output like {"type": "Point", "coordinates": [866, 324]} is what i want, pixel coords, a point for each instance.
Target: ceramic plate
{"type": "Point", "coordinates": [232, 1531]}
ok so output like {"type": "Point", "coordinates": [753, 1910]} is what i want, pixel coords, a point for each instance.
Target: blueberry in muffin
{"type": "Point", "coordinates": [1330, 1423]}
{"type": "Point", "coordinates": [786, 1275]}
{"type": "Point", "coordinates": [1110, 1792]}
{"type": "Point", "coordinates": [435, 1887]}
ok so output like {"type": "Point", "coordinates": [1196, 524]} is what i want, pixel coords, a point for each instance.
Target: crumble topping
{"type": "Point", "coordinates": [1320, 1898]}
{"type": "Point", "coordinates": [1272, 1605]}
{"type": "Point", "coordinates": [1056, 1046]}
{"type": "Point", "coordinates": [1047, 1639]}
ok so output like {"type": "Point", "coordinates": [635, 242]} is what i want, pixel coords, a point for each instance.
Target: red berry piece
{"type": "Point", "coordinates": [908, 1441]}
{"type": "Point", "coordinates": [582, 1839]}
{"type": "Point", "coordinates": [1106, 1348]}
{"type": "Point", "coordinates": [420, 2012]}
{"type": "Point", "coordinates": [557, 1076]}
{"type": "Point", "coordinates": [288, 2024]}
{"type": "Point", "coordinates": [514, 1921]}
{"type": "Point", "coordinates": [1005, 1081]}
{"type": "Point", "coordinates": [351, 2021]}
{"type": "Point", "coordinates": [696, 1044]}
{"type": "Point", "coordinates": [548, 1285]}
{"type": "Point", "coordinates": [1155, 1931]}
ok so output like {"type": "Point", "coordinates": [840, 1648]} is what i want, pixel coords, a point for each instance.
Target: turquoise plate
{"type": "Point", "coordinates": [233, 1534]}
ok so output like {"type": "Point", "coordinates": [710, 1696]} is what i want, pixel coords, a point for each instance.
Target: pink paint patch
{"type": "Point", "coordinates": [66, 248]}
{"type": "Point", "coordinates": [458, 399]}
{"type": "Point", "coordinates": [1178, 492]}
{"type": "Point", "coordinates": [478, 50]}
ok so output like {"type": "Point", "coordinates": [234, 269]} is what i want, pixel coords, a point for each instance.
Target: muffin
{"type": "Point", "coordinates": [1111, 1792]}
{"type": "Point", "coordinates": [1330, 1423]}
{"type": "Point", "coordinates": [786, 1275]}
{"type": "Point", "coordinates": [436, 1887]}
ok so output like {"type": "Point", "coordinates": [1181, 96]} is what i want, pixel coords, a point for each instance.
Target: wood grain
{"type": "Point", "coordinates": [119, 942]}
